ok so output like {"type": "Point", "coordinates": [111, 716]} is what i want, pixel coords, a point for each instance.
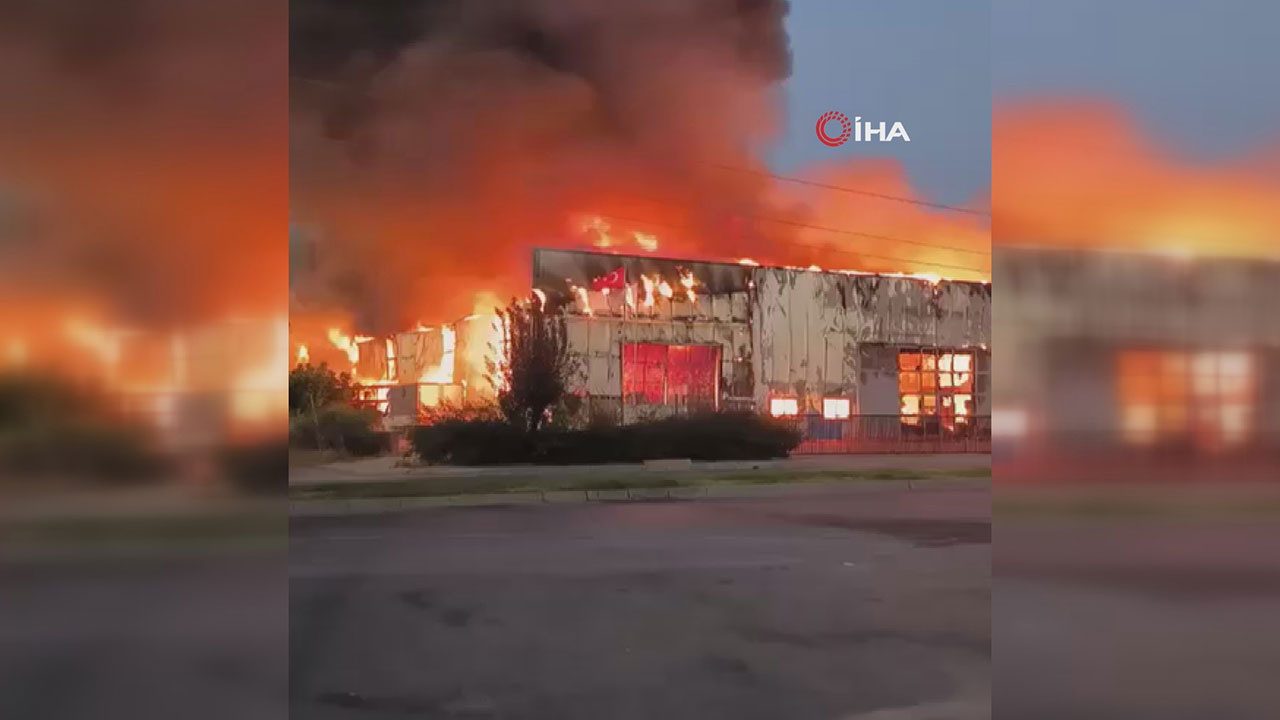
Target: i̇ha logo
{"type": "Point", "coordinates": [860, 130]}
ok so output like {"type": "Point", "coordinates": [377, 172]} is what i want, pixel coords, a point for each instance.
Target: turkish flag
{"type": "Point", "coordinates": [615, 280]}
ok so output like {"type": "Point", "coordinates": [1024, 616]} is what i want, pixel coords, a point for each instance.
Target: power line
{"type": "Point", "coordinates": [874, 236]}
{"type": "Point", "coordinates": [794, 223]}
{"type": "Point", "coordinates": [749, 171]}
{"type": "Point", "coordinates": [842, 231]}
{"type": "Point", "coordinates": [855, 191]}
{"type": "Point", "coordinates": [824, 248]}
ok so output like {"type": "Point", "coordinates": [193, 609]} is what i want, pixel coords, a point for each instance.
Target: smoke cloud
{"type": "Point", "coordinates": [424, 168]}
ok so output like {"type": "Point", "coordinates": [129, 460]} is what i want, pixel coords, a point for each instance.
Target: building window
{"type": "Point", "coordinates": [835, 408]}
{"type": "Point", "coordinates": [684, 375]}
{"type": "Point", "coordinates": [1168, 395]}
{"type": "Point", "coordinates": [936, 384]}
{"type": "Point", "coordinates": [784, 406]}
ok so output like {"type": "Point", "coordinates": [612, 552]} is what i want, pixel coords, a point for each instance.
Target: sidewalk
{"type": "Point", "coordinates": [382, 469]}
{"type": "Point", "coordinates": [365, 506]}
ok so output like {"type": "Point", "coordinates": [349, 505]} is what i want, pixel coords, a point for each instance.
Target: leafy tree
{"type": "Point", "coordinates": [313, 387]}
{"type": "Point", "coordinates": [537, 362]}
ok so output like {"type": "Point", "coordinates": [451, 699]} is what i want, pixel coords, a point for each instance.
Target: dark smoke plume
{"type": "Point", "coordinates": [434, 143]}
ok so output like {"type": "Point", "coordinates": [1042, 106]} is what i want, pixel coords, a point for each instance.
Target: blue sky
{"type": "Point", "coordinates": [925, 63]}
{"type": "Point", "coordinates": [1198, 76]}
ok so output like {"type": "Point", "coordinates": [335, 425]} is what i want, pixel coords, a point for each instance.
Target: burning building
{"type": "Point", "coordinates": [659, 336]}
{"type": "Point", "coordinates": [866, 361]}
{"type": "Point", "coordinates": [1126, 352]}
{"type": "Point", "coordinates": [1137, 324]}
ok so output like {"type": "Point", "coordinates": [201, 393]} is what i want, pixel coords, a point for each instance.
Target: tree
{"type": "Point", "coordinates": [537, 362]}
{"type": "Point", "coordinates": [312, 387]}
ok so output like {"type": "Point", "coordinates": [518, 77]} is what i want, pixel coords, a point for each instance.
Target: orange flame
{"type": "Point", "coordinates": [347, 344]}
{"type": "Point", "coordinates": [584, 301]}
{"type": "Point", "coordinates": [444, 372]}
{"type": "Point", "coordinates": [647, 242]}
{"type": "Point", "coordinates": [687, 281]}
{"type": "Point", "coordinates": [648, 290]}
{"type": "Point", "coordinates": [594, 224]}
{"type": "Point", "coordinates": [1124, 193]}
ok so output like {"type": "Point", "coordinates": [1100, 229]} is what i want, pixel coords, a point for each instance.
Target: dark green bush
{"type": "Point", "coordinates": [259, 468]}
{"type": "Point", "coordinates": [588, 445]}
{"type": "Point", "coordinates": [716, 436]}
{"type": "Point", "coordinates": [52, 427]}
{"type": "Point", "coordinates": [339, 427]}
{"type": "Point", "coordinates": [710, 436]}
{"type": "Point", "coordinates": [470, 442]}
{"type": "Point", "coordinates": [84, 449]}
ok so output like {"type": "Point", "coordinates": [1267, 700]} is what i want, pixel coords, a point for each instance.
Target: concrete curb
{"type": "Point", "coordinates": [367, 506]}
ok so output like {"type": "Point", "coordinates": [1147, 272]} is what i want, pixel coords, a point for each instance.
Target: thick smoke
{"type": "Point", "coordinates": [141, 163]}
{"type": "Point", "coordinates": [1127, 191]}
{"type": "Point", "coordinates": [433, 144]}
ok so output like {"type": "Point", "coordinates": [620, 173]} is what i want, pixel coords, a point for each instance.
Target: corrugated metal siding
{"type": "Point", "coordinates": [782, 331]}
{"type": "Point", "coordinates": [809, 327]}
{"type": "Point", "coordinates": [597, 344]}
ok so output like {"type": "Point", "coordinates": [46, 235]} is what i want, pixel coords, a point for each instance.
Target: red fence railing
{"type": "Point", "coordinates": [889, 434]}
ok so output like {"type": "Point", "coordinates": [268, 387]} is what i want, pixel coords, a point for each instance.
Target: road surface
{"type": "Point", "coordinates": [866, 603]}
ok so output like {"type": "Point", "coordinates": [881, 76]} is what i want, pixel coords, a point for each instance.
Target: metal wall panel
{"type": "Point", "coordinates": [792, 332]}
{"type": "Point", "coordinates": [808, 326]}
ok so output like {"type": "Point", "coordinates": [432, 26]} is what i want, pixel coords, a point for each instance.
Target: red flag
{"type": "Point", "coordinates": [615, 280]}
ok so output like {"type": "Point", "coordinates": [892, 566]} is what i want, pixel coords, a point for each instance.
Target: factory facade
{"type": "Point", "coordinates": [861, 361]}
{"type": "Point", "coordinates": [1104, 352]}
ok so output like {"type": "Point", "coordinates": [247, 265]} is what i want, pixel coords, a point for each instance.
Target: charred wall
{"type": "Point", "coordinates": [781, 331]}
{"type": "Point", "coordinates": [821, 334]}
{"type": "Point", "coordinates": [1064, 317]}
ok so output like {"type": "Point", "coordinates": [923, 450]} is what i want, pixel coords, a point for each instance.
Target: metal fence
{"type": "Point", "coordinates": [890, 434]}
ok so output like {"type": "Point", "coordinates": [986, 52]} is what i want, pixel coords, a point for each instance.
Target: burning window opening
{"type": "Point", "coordinates": [784, 406]}
{"type": "Point", "coordinates": [1171, 396]}
{"type": "Point", "coordinates": [935, 384]}
{"type": "Point", "coordinates": [836, 408]}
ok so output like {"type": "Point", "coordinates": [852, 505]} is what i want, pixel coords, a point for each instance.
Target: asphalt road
{"type": "Point", "coordinates": [165, 636]}
{"type": "Point", "coordinates": [1137, 617]}
{"type": "Point", "coordinates": [869, 603]}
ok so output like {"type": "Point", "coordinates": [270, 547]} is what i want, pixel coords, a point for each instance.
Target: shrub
{"type": "Point", "coordinates": [340, 427]}
{"type": "Point", "coordinates": [260, 468]}
{"type": "Point", "coordinates": [710, 436]}
{"type": "Point", "coordinates": [52, 427]}
{"type": "Point", "coordinates": [84, 449]}
{"type": "Point", "coordinates": [470, 442]}
{"type": "Point", "coordinates": [589, 445]}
